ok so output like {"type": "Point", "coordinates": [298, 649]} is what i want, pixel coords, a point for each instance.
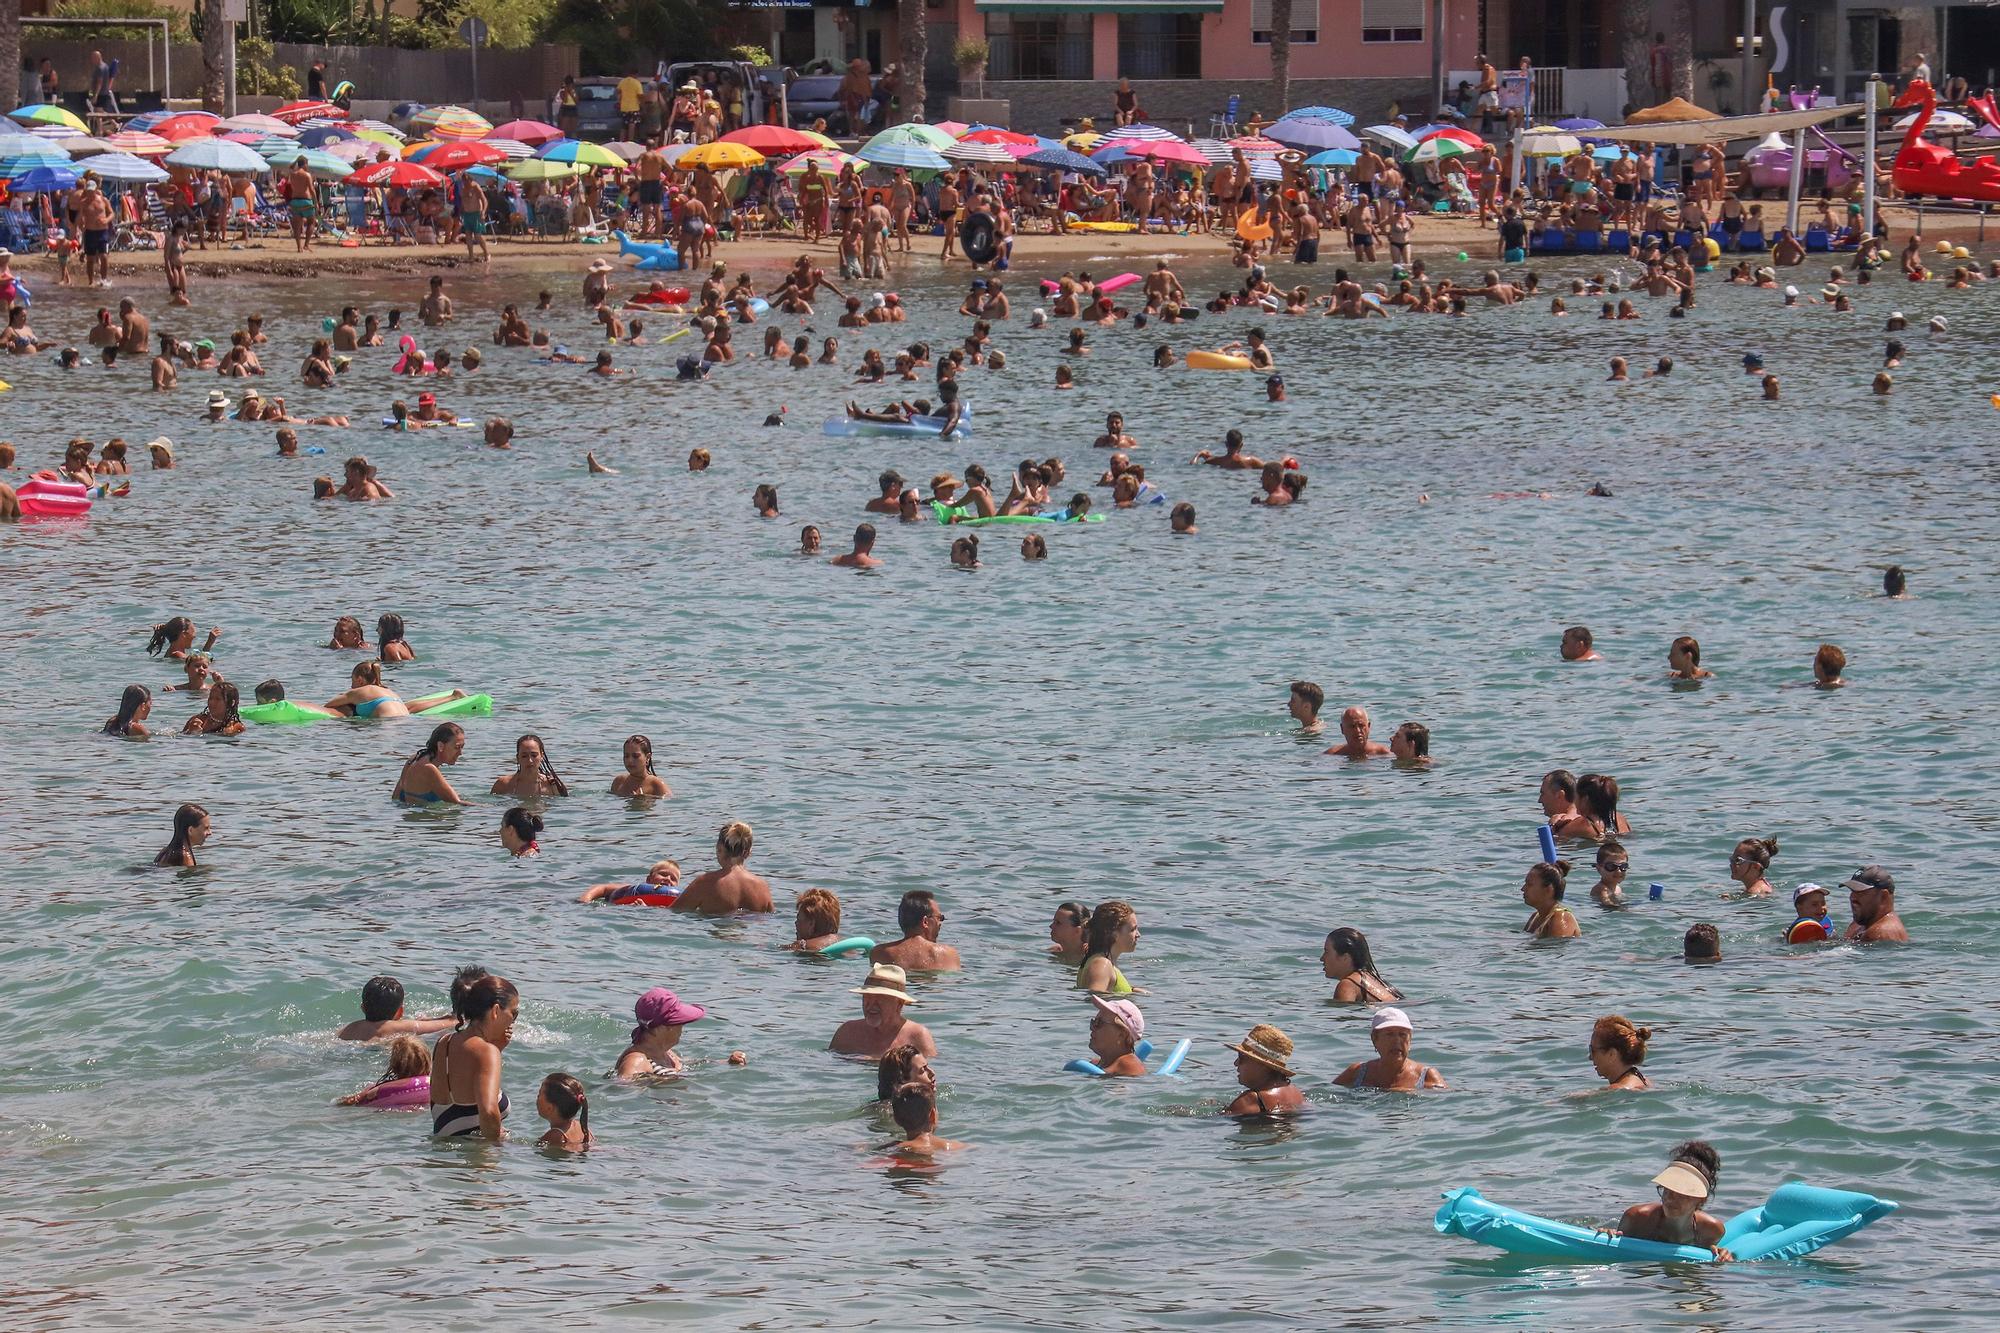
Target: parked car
{"type": "Point", "coordinates": [813, 95]}
{"type": "Point", "coordinates": [597, 110]}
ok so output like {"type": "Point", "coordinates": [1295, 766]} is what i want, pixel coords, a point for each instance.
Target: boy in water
{"type": "Point", "coordinates": [1812, 924]}
{"type": "Point", "coordinates": [382, 1011]}
{"type": "Point", "coordinates": [1304, 705]}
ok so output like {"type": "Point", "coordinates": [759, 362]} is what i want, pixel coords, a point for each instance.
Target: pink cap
{"type": "Point", "coordinates": [660, 1007]}
{"type": "Point", "coordinates": [1123, 1012]}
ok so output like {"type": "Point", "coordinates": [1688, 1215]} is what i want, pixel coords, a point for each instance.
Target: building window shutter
{"type": "Point", "coordinates": [1392, 20]}
{"type": "Point", "coordinates": [1305, 21]}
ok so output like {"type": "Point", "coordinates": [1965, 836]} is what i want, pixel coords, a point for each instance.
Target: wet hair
{"type": "Point", "coordinates": [1419, 737]}
{"type": "Point", "coordinates": [966, 546]}
{"type": "Point", "coordinates": [232, 700]}
{"type": "Point", "coordinates": [1551, 875]}
{"type": "Point", "coordinates": [548, 771]}
{"type": "Point", "coordinates": [897, 1068]}
{"type": "Point", "coordinates": [525, 823]}
{"type": "Point", "coordinates": [1611, 846]}
{"type": "Point", "coordinates": [821, 910]}
{"type": "Point", "coordinates": [381, 998]}
{"type": "Point", "coordinates": [1830, 661]}
{"type": "Point", "coordinates": [1106, 920]}
{"type": "Point", "coordinates": [1893, 581]}
{"type": "Point", "coordinates": [1292, 481]}
{"type": "Point", "coordinates": [367, 672]}
{"type": "Point", "coordinates": [1702, 941]}
{"type": "Point", "coordinates": [1311, 693]}
{"type": "Point", "coordinates": [1563, 780]}
{"type": "Point", "coordinates": [916, 905]}
{"type": "Point", "coordinates": [1698, 1154]}
{"type": "Point", "coordinates": [461, 983]}
{"type": "Point", "coordinates": [1348, 941]}
{"type": "Point", "coordinates": [913, 1105]}
{"type": "Point", "coordinates": [166, 633]}
{"type": "Point", "coordinates": [735, 839]}
{"type": "Point", "coordinates": [270, 691]}
{"type": "Point", "coordinates": [864, 535]}
{"type": "Point", "coordinates": [644, 742]}
{"type": "Point", "coordinates": [1183, 510]}
{"type": "Point", "coordinates": [1078, 913]}
{"type": "Point", "coordinates": [388, 630]}
{"type": "Point", "coordinates": [1616, 1033]}
{"type": "Point", "coordinates": [440, 734]}
{"type": "Point", "coordinates": [180, 850]}
{"type": "Point", "coordinates": [1758, 851]}
{"type": "Point", "coordinates": [1581, 633]}
{"type": "Point", "coordinates": [1597, 796]}
{"type": "Point", "coordinates": [1686, 643]}
{"type": "Point", "coordinates": [890, 482]}
{"type": "Point", "coordinates": [1034, 547]}
{"type": "Point", "coordinates": [129, 703]}
{"type": "Point", "coordinates": [408, 1058]}
{"type": "Point", "coordinates": [481, 997]}
{"type": "Point", "coordinates": [568, 1097]}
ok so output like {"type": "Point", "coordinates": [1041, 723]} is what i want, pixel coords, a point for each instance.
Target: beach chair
{"type": "Point", "coordinates": [1751, 241]}
{"type": "Point", "coordinates": [1550, 241]}
{"type": "Point", "coordinates": [1223, 126]}
{"type": "Point", "coordinates": [1618, 239]}
{"type": "Point", "coordinates": [1587, 242]}
{"type": "Point", "coordinates": [1818, 240]}
{"type": "Point", "coordinates": [1684, 239]}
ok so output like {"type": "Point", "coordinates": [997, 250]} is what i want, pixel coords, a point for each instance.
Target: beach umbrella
{"type": "Point", "coordinates": [152, 120]}
{"type": "Point", "coordinates": [1017, 151]}
{"type": "Point", "coordinates": [992, 154]}
{"type": "Point", "coordinates": [586, 154]}
{"type": "Point", "coordinates": [830, 160]}
{"type": "Point", "coordinates": [319, 136]}
{"type": "Point", "coordinates": [1153, 132]}
{"type": "Point", "coordinates": [140, 143]}
{"type": "Point", "coordinates": [951, 128]}
{"type": "Point", "coordinates": [1550, 142]}
{"type": "Point", "coordinates": [394, 175]}
{"type": "Point", "coordinates": [51, 132]}
{"type": "Point", "coordinates": [994, 134]}
{"type": "Point", "coordinates": [392, 142]}
{"type": "Point", "coordinates": [261, 124]}
{"type": "Point", "coordinates": [905, 153]}
{"type": "Point", "coordinates": [483, 173]}
{"type": "Point", "coordinates": [511, 149]}
{"type": "Point", "coordinates": [623, 149]}
{"type": "Point", "coordinates": [263, 145]}
{"type": "Point", "coordinates": [1310, 135]}
{"type": "Point", "coordinates": [451, 122]}
{"type": "Point", "coordinates": [1062, 159]}
{"type": "Point", "coordinates": [1266, 169]}
{"type": "Point", "coordinates": [1579, 123]}
{"type": "Point", "coordinates": [37, 179]}
{"type": "Point", "coordinates": [1610, 152]}
{"type": "Point", "coordinates": [1392, 136]}
{"type": "Point", "coordinates": [296, 113]}
{"type": "Point", "coordinates": [186, 125]}
{"type": "Point", "coordinates": [1253, 144]}
{"type": "Point", "coordinates": [214, 154]}
{"type": "Point", "coordinates": [1942, 122]}
{"type": "Point", "coordinates": [1085, 140]}
{"type": "Point", "coordinates": [533, 133]}
{"type": "Point", "coordinates": [13, 164]}
{"type": "Point", "coordinates": [1333, 157]}
{"type": "Point", "coordinates": [1216, 151]}
{"type": "Point", "coordinates": [1439, 148]}
{"type": "Point", "coordinates": [716, 157]}
{"type": "Point", "coordinates": [364, 128]}
{"type": "Point", "coordinates": [930, 136]}
{"type": "Point", "coordinates": [540, 169]}
{"type": "Point", "coordinates": [356, 150]}
{"type": "Point", "coordinates": [320, 165]}
{"type": "Point", "coordinates": [126, 168]}
{"type": "Point", "coordinates": [1170, 150]}
{"type": "Point", "coordinates": [673, 152]}
{"type": "Point", "coordinates": [450, 157]}
{"type": "Point", "coordinates": [83, 145]}
{"type": "Point", "coordinates": [774, 140]}
{"type": "Point", "coordinates": [1113, 151]}
{"type": "Point", "coordinates": [1331, 114]}
{"type": "Point", "coordinates": [48, 113]}
{"type": "Point", "coordinates": [1466, 137]}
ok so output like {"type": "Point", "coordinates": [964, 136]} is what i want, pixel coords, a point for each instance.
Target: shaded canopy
{"type": "Point", "coordinates": [1674, 108]}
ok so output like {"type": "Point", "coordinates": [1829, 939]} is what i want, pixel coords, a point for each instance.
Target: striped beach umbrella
{"type": "Point", "coordinates": [140, 143]}
{"type": "Point", "coordinates": [297, 113]}
{"type": "Point", "coordinates": [930, 136]}
{"type": "Point", "coordinates": [1142, 132]}
{"type": "Point", "coordinates": [829, 160]}
{"type": "Point", "coordinates": [259, 124]}
{"type": "Point", "coordinates": [451, 122]}
{"type": "Point", "coordinates": [906, 153]}
{"type": "Point", "coordinates": [127, 169]}
{"type": "Point", "coordinates": [991, 154]}
{"type": "Point", "coordinates": [322, 166]}
{"type": "Point", "coordinates": [213, 154]}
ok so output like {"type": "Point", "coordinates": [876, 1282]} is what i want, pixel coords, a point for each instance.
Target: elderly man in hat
{"type": "Point", "coordinates": [881, 1026]}
{"type": "Point", "coordinates": [1871, 896]}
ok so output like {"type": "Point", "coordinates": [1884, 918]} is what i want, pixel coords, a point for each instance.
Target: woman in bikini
{"type": "Point", "coordinates": [1543, 891]}
{"type": "Point", "coordinates": [422, 781]}
{"type": "Point", "coordinates": [1348, 960]}
{"type": "Point", "coordinates": [466, 1098]}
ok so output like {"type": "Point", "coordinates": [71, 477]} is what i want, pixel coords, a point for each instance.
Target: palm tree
{"type": "Point", "coordinates": [216, 33]}
{"type": "Point", "coordinates": [915, 49]}
{"type": "Point", "coordinates": [1281, 55]}
{"type": "Point", "coordinates": [10, 55]}
{"type": "Point", "coordinates": [1682, 48]}
{"type": "Point", "coordinates": [1636, 47]}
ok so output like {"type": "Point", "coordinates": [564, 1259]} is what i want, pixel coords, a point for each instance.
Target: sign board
{"type": "Point", "coordinates": [473, 30]}
{"type": "Point", "coordinates": [235, 11]}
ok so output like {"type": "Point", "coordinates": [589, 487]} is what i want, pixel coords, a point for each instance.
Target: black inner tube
{"type": "Point", "coordinates": [979, 238]}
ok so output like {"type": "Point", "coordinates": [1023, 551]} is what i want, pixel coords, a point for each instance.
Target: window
{"type": "Point", "coordinates": [1305, 21]}
{"type": "Point", "coordinates": [1039, 46]}
{"type": "Point", "coordinates": [1159, 46]}
{"type": "Point", "coordinates": [1392, 20]}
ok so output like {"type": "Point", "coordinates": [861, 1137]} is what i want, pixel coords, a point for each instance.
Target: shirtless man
{"type": "Point", "coordinates": [1232, 456]}
{"type": "Point", "coordinates": [729, 887]}
{"type": "Point", "coordinates": [1305, 229]}
{"type": "Point", "coordinates": [382, 1015]}
{"type": "Point", "coordinates": [135, 333]}
{"type": "Point", "coordinates": [922, 920]}
{"type": "Point", "coordinates": [304, 196]}
{"type": "Point", "coordinates": [165, 375]}
{"type": "Point", "coordinates": [1871, 896]}
{"type": "Point", "coordinates": [1368, 168]}
{"type": "Point", "coordinates": [1354, 737]}
{"type": "Point", "coordinates": [94, 215]}
{"type": "Point", "coordinates": [1360, 221]}
{"type": "Point", "coordinates": [891, 484]}
{"type": "Point", "coordinates": [435, 308]}
{"type": "Point", "coordinates": [902, 202]}
{"type": "Point", "coordinates": [1161, 284]}
{"type": "Point", "coordinates": [864, 543]}
{"type": "Point", "coordinates": [1624, 187]}
{"type": "Point", "coordinates": [882, 1026]}
{"type": "Point", "coordinates": [948, 211]}
{"type": "Point", "coordinates": [874, 237]}
{"type": "Point", "coordinates": [651, 167]}
{"type": "Point", "coordinates": [1114, 436]}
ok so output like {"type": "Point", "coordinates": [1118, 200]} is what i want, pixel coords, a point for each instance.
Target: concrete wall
{"type": "Point", "coordinates": [388, 74]}
{"type": "Point", "coordinates": [1039, 106]}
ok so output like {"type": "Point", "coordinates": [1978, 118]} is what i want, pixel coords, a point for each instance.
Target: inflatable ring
{"type": "Point", "coordinates": [1247, 228]}
{"type": "Point", "coordinates": [48, 495]}
{"type": "Point", "coordinates": [979, 238]}
{"type": "Point", "coordinates": [397, 1094]}
{"type": "Point", "coordinates": [1200, 360]}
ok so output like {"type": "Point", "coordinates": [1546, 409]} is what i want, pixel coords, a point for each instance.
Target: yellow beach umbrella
{"type": "Point", "coordinates": [720, 157]}
{"type": "Point", "coordinates": [539, 169]}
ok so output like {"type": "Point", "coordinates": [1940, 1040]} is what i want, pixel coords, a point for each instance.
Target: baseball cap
{"type": "Point", "coordinates": [1751, 360]}
{"type": "Point", "coordinates": [1870, 877]}
{"type": "Point", "coordinates": [1123, 1012]}
{"type": "Point", "coordinates": [1389, 1016]}
{"type": "Point", "coordinates": [1803, 889]}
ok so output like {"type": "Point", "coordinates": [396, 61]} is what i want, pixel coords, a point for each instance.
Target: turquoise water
{"type": "Point", "coordinates": [1108, 724]}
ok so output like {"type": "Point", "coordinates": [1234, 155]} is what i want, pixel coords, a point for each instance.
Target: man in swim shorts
{"type": "Point", "coordinates": [304, 205]}
{"type": "Point", "coordinates": [94, 215]}
{"type": "Point", "coordinates": [651, 167]}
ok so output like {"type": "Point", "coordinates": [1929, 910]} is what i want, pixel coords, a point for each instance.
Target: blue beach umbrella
{"type": "Point", "coordinates": [1311, 135]}
{"type": "Point", "coordinates": [322, 135]}
{"type": "Point", "coordinates": [1607, 153]}
{"type": "Point", "coordinates": [1113, 151]}
{"type": "Point", "coordinates": [908, 154]}
{"type": "Point", "coordinates": [1331, 114]}
{"type": "Point", "coordinates": [1062, 159]}
{"type": "Point", "coordinates": [217, 155]}
{"type": "Point", "coordinates": [126, 168]}
{"type": "Point", "coordinates": [1333, 157]}
{"type": "Point", "coordinates": [38, 180]}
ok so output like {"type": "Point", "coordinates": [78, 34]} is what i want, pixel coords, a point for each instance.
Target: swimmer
{"type": "Point", "coordinates": [1067, 932]}
{"type": "Point", "coordinates": [884, 996]}
{"type": "Point", "coordinates": [1684, 660]}
{"type": "Point", "coordinates": [1827, 664]}
{"type": "Point", "coordinates": [1557, 797]}
{"type": "Point", "coordinates": [1065, 378]}
{"type": "Point", "coordinates": [965, 553]}
{"type": "Point", "coordinates": [921, 921]}
{"type": "Point", "coordinates": [914, 1105]}
{"type": "Point", "coordinates": [366, 696]}
{"type": "Point", "coordinates": [407, 1060]}
{"type": "Point", "coordinates": [661, 1015]}
{"type": "Point", "coordinates": [661, 875]}
{"type": "Point", "coordinates": [1871, 898]}
{"type": "Point", "coordinates": [191, 830]}
{"type": "Point", "coordinates": [1273, 481]}
{"type": "Point", "coordinates": [174, 638]}
{"type": "Point", "coordinates": [1542, 890]}
{"type": "Point", "coordinates": [360, 483]}
{"type": "Point", "coordinates": [201, 673]}
{"type": "Point", "coordinates": [129, 722]}
{"type": "Point", "coordinates": [533, 775]}
{"type": "Point", "coordinates": [518, 829]}
{"type": "Point", "coordinates": [1677, 1219]}
{"type": "Point", "coordinates": [1303, 704]}
{"type": "Point", "coordinates": [1112, 932]}
{"type": "Point", "coordinates": [1701, 944]}
{"type": "Point", "coordinates": [890, 484]}
{"type": "Point", "coordinates": [639, 779]}
{"type": "Point", "coordinates": [220, 717]}
{"type": "Point", "coordinates": [860, 557]}
{"type": "Point", "coordinates": [1770, 388]}
{"type": "Point", "coordinates": [1232, 457]}
{"type": "Point", "coordinates": [1613, 863]}
{"type": "Point", "coordinates": [466, 1097]}
{"type": "Point", "coordinates": [1347, 960]}
{"type": "Point", "coordinates": [1810, 921]}
{"type": "Point", "coordinates": [1596, 813]}
{"type": "Point", "coordinates": [1579, 646]}
{"type": "Point", "coordinates": [698, 460]}
{"type": "Point", "coordinates": [1263, 1067]}
{"type": "Point", "coordinates": [1115, 1032]}
{"type": "Point", "coordinates": [909, 507]}
{"type": "Point", "coordinates": [1354, 725]}
{"type": "Point", "coordinates": [1410, 744]}
{"type": "Point", "coordinates": [422, 780]}
{"type": "Point", "coordinates": [729, 887]}
{"type": "Point", "coordinates": [561, 1100]}
{"type": "Point", "coordinates": [765, 500]}
{"type": "Point", "coordinates": [382, 1016]}
{"type": "Point", "coordinates": [815, 921]}
{"type": "Point", "coordinates": [1895, 583]}
{"type": "Point", "coordinates": [1617, 1049]}
{"type": "Point", "coordinates": [1619, 374]}
{"type": "Point", "coordinates": [1391, 1070]}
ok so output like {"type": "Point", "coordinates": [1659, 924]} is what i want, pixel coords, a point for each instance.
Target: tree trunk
{"type": "Point", "coordinates": [915, 49]}
{"type": "Point", "coordinates": [1281, 56]}
{"type": "Point", "coordinates": [10, 55]}
{"type": "Point", "coordinates": [1680, 45]}
{"type": "Point", "coordinates": [216, 32]}
{"type": "Point", "coordinates": [384, 39]}
{"type": "Point", "coordinates": [1636, 49]}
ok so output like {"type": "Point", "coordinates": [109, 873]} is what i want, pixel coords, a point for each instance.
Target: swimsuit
{"type": "Point", "coordinates": [367, 707]}
{"type": "Point", "coordinates": [1119, 986]}
{"type": "Point", "coordinates": [1361, 1079]}
{"type": "Point", "coordinates": [457, 1120]}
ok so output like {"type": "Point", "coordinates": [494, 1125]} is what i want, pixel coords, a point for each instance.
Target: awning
{"type": "Point", "coordinates": [1725, 127]}
{"type": "Point", "coordinates": [1098, 6]}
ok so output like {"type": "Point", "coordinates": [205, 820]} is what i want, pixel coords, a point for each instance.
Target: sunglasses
{"type": "Point", "coordinates": [1615, 867]}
